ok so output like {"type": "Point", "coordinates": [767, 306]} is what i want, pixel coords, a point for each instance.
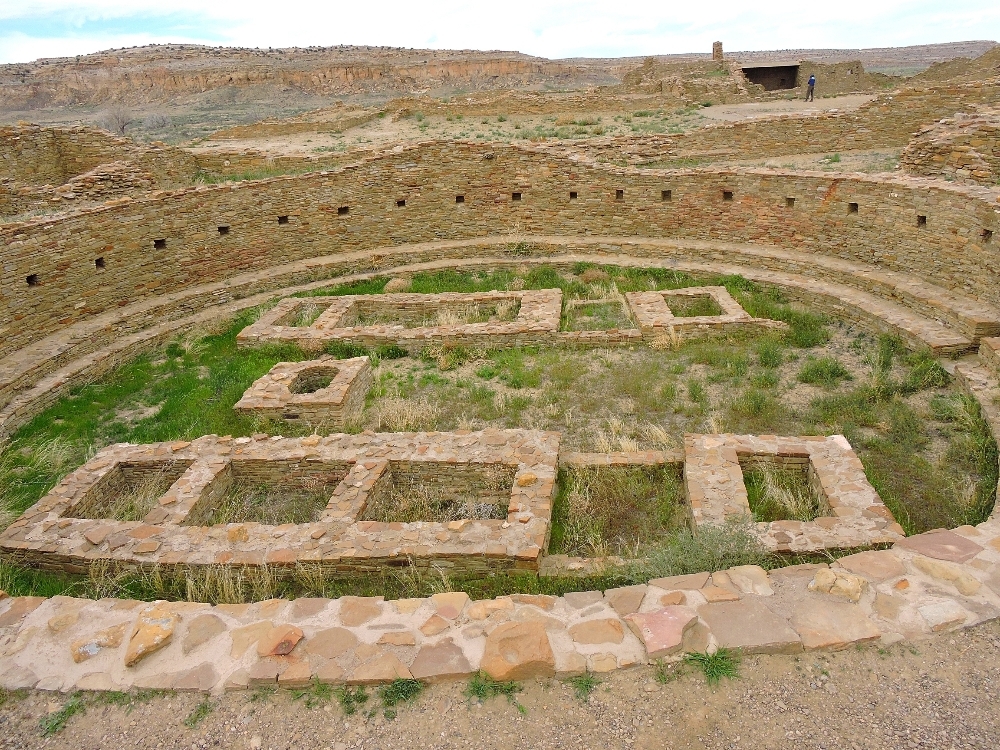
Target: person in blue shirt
{"type": "Point", "coordinates": [810, 87]}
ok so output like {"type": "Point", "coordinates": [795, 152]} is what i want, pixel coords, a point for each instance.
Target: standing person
{"type": "Point", "coordinates": [810, 88]}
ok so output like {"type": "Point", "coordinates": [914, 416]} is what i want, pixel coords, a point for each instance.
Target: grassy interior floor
{"type": "Point", "coordinates": [925, 447]}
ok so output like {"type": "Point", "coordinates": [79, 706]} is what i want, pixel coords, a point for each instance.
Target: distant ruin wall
{"type": "Point", "coordinates": [168, 242]}
{"type": "Point", "coordinates": [964, 148]}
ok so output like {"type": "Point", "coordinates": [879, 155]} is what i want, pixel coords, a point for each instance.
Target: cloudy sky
{"type": "Point", "coordinates": [30, 29]}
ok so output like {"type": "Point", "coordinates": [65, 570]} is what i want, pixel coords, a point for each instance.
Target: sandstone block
{"type": "Point", "coordinates": [662, 631]}
{"type": "Point", "coordinates": [692, 581]}
{"type": "Point", "coordinates": [86, 648]}
{"type": "Point", "coordinates": [875, 565]}
{"type": "Point", "coordinates": [19, 608]}
{"type": "Point", "coordinates": [965, 582]}
{"type": "Point", "coordinates": [153, 631]}
{"type": "Point", "coordinates": [942, 544]}
{"type": "Point", "coordinates": [243, 638]}
{"type": "Point", "coordinates": [435, 624]}
{"type": "Point", "coordinates": [626, 600]}
{"type": "Point", "coordinates": [751, 579]}
{"type": "Point", "coordinates": [296, 675]}
{"type": "Point", "coordinates": [943, 615]}
{"type": "Point", "coordinates": [398, 638]}
{"type": "Point", "coordinates": [518, 651]}
{"type": "Point", "coordinates": [384, 668]}
{"type": "Point", "coordinates": [202, 629]}
{"type": "Point", "coordinates": [838, 583]}
{"type": "Point", "coordinates": [279, 641]}
{"type": "Point", "coordinates": [832, 625]}
{"type": "Point", "coordinates": [607, 630]}
{"type": "Point", "coordinates": [357, 610]}
{"type": "Point", "coordinates": [750, 626]}
{"type": "Point", "coordinates": [331, 643]}
{"type": "Point", "coordinates": [450, 605]}
{"type": "Point", "coordinates": [443, 660]}
{"type": "Point", "coordinates": [201, 679]}
{"type": "Point", "coordinates": [581, 599]}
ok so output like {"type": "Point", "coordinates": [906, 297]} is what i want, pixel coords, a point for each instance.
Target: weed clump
{"type": "Point", "coordinates": [723, 663]}
{"type": "Point", "coordinates": [824, 371]}
{"type": "Point", "coordinates": [583, 685]}
{"type": "Point", "coordinates": [483, 687]}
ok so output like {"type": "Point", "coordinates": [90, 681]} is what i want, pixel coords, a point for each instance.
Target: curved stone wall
{"type": "Point", "coordinates": [168, 242]}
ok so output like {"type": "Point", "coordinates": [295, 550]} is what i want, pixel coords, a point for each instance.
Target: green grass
{"type": "Point", "coordinates": [351, 698]}
{"type": "Point", "coordinates": [824, 371]}
{"type": "Point", "coordinates": [723, 663]}
{"type": "Point", "coordinates": [8, 696]}
{"type": "Point", "coordinates": [398, 691]}
{"type": "Point", "coordinates": [482, 687]}
{"type": "Point", "coordinates": [199, 713]}
{"type": "Point", "coordinates": [583, 684]}
{"type": "Point", "coordinates": [316, 693]}
{"type": "Point", "coordinates": [55, 722]}
{"type": "Point", "coordinates": [611, 510]}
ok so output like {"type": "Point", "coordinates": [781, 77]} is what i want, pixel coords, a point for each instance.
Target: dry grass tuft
{"type": "Point", "coordinates": [396, 414]}
{"type": "Point", "coordinates": [398, 284]}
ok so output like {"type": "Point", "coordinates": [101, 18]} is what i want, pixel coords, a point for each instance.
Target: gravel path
{"type": "Point", "coordinates": [942, 693]}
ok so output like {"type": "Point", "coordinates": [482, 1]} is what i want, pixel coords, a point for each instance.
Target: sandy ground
{"type": "Point", "coordinates": [941, 693]}
{"type": "Point", "coordinates": [755, 110]}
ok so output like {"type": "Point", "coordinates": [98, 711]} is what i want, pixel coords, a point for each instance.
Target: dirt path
{"type": "Point", "coordinates": [763, 110]}
{"type": "Point", "coordinates": [941, 693]}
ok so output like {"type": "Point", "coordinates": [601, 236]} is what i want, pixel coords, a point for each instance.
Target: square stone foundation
{"type": "Point", "coordinates": [325, 391]}
{"type": "Point", "coordinates": [489, 501]}
{"type": "Point", "coordinates": [713, 479]}
{"type": "Point", "coordinates": [656, 320]}
{"type": "Point", "coordinates": [412, 321]}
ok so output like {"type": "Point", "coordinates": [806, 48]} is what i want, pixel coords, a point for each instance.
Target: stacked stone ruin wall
{"type": "Point", "coordinates": [166, 243]}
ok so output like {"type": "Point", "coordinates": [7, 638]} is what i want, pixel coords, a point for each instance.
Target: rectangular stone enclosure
{"type": "Point", "coordinates": [691, 311]}
{"type": "Point", "coordinates": [462, 501]}
{"type": "Point", "coordinates": [324, 392]}
{"type": "Point", "coordinates": [412, 321]}
{"type": "Point", "coordinates": [856, 516]}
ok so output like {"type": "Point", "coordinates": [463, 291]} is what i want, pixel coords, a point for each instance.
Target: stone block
{"type": "Point", "coordinates": [750, 626]}
{"type": "Point", "coordinates": [439, 661]}
{"type": "Point", "coordinates": [832, 625]}
{"type": "Point", "coordinates": [662, 631]}
{"type": "Point", "coordinates": [875, 565]}
{"type": "Point", "coordinates": [606, 630]}
{"type": "Point", "coordinates": [518, 651]}
{"type": "Point", "coordinates": [942, 544]}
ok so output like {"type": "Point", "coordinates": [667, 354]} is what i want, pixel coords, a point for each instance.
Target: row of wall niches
{"type": "Point", "coordinates": [666, 196]}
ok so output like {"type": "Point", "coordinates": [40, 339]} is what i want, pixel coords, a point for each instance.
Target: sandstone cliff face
{"type": "Point", "coordinates": [152, 74]}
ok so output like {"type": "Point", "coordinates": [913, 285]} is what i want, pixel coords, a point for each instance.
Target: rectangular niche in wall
{"type": "Point", "coordinates": [159, 244]}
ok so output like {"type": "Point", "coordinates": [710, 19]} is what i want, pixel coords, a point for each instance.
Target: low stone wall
{"type": "Point", "coordinates": [657, 321]}
{"type": "Point", "coordinates": [81, 519]}
{"type": "Point", "coordinates": [964, 148]}
{"type": "Point", "coordinates": [989, 353]}
{"type": "Point", "coordinates": [713, 479]}
{"type": "Point", "coordinates": [295, 391]}
{"type": "Point", "coordinates": [929, 584]}
{"type": "Point", "coordinates": [342, 320]}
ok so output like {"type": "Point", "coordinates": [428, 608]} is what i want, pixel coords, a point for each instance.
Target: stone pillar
{"type": "Point", "coordinates": [717, 51]}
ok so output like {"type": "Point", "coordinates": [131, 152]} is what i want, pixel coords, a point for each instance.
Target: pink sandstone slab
{"type": "Point", "coordinates": [942, 545]}
{"type": "Point", "coordinates": [875, 565]}
{"type": "Point", "coordinates": [662, 631]}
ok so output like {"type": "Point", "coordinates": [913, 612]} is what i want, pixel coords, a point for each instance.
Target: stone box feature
{"type": "Point", "coordinates": [652, 311]}
{"type": "Point", "coordinates": [484, 503]}
{"type": "Point", "coordinates": [412, 321]}
{"type": "Point", "coordinates": [324, 391]}
{"type": "Point", "coordinates": [713, 479]}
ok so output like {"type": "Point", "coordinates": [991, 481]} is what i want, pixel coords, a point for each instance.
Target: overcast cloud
{"type": "Point", "coordinates": [30, 29]}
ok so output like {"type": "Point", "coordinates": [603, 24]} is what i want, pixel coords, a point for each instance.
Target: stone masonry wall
{"type": "Point", "coordinates": [167, 242]}
{"type": "Point", "coordinates": [964, 148]}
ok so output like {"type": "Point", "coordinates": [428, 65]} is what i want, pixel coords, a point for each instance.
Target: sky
{"type": "Point", "coordinates": [30, 29]}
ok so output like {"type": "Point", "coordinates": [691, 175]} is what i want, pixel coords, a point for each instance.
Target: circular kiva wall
{"type": "Point", "coordinates": [919, 257]}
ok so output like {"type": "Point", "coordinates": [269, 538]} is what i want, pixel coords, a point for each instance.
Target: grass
{"type": "Point", "coordinates": [482, 687]}
{"type": "Point", "coordinates": [398, 691]}
{"type": "Point", "coordinates": [723, 663]}
{"type": "Point", "coordinates": [8, 696]}
{"type": "Point", "coordinates": [583, 685]}
{"type": "Point", "coordinates": [611, 510]}
{"type": "Point", "coordinates": [351, 698]}
{"type": "Point", "coordinates": [55, 722]}
{"type": "Point", "coordinates": [315, 694]}
{"type": "Point", "coordinates": [199, 713]}
{"type": "Point", "coordinates": [781, 495]}
{"type": "Point", "coordinates": [823, 371]}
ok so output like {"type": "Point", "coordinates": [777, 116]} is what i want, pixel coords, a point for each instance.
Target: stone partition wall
{"type": "Point", "coordinates": [161, 504]}
{"type": "Point", "coordinates": [411, 321]}
{"type": "Point", "coordinates": [324, 391]}
{"type": "Point", "coordinates": [857, 517]}
{"type": "Point", "coordinates": [164, 244]}
{"type": "Point", "coordinates": [964, 148]}
{"type": "Point", "coordinates": [655, 318]}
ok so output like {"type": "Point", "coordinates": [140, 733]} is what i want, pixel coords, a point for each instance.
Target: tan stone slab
{"type": "Point", "coordinates": [443, 660]}
{"type": "Point", "coordinates": [518, 651]}
{"type": "Point", "coordinates": [605, 630]}
{"type": "Point", "coordinates": [875, 565]}
{"type": "Point", "coordinates": [832, 625]}
{"type": "Point", "coordinates": [750, 626]}
{"type": "Point", "coordinates": [942, 544]}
